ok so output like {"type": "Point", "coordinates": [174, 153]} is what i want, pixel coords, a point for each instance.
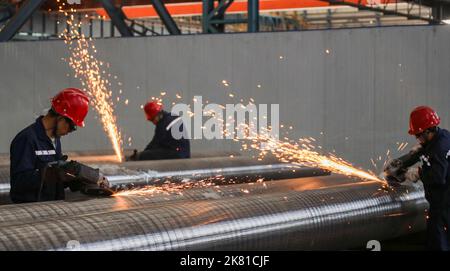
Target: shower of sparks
{"type": "Point", "coordinates": [157, 100]}
{"type": "Point", "coordinates": [177, 187]}
{"type": "Point", "coordinates": [402, 146]}
{"type": "Point", "coordinates": [302, 153]}
{"type": "Point", "coordinates": [151, 190]}
{"type": "Point", "coordinates": [89, 70]}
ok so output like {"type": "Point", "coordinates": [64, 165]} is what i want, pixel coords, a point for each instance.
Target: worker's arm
{"type": "Point", "coordinates": [177, 136]}
{"type": "Point", "coordinates": [399, 170]}
{"type": "Point", "coordinates": [24, 175]}
{"type": "Point", "coordinates": [163, 138]}
{"type": "Point", "coordinates": [152, 144]}
{"type": "Point", "coordinates": [437, 172]}
{"type": "Point", "coordinates": [161, 142]}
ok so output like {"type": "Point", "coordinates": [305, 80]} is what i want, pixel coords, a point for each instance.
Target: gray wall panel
{"type": "Point", "coordinates": [359, 95]}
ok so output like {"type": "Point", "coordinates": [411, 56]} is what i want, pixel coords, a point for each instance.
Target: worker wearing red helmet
{"type": "Point", "coordinates": [434, 155]}
{"type": "Point", "coordinates": [33, 148]}
{"type": "Point", "coordinates": [434, 173]}
{"type": "Point", "coordinates": [163, 145]}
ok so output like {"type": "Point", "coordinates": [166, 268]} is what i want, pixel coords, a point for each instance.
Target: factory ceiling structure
{"type": "Point", "coordinates": [175, 17]}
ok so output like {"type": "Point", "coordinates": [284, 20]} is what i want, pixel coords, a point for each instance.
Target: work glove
{"type": "Point", "coordinates": [392, 173]}
{"type": "Point", "coordinates": [100, 189]}
{"type": "Point", "coordinates": [74, 185]}
{"type": "Point", "coordinates": [52, 173]}
{"type": "Point", "coordinates": [392, 166]}
{"type": "Point", "coordinates": [394, 181]}
{"type": "Point", "coordinates": [70, 168]}
{"type": "Point", "coordinates": [83, 185]}
{"type": "Point", "coordinates": [61, 171]}
{"type": "Point", "coordinates": [412, 174]}
{"type": "Point", "coordinates": [133, 157]}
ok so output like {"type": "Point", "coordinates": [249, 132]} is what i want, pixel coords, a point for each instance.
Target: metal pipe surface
{"type": "Point", "coordinates": [334, 217]}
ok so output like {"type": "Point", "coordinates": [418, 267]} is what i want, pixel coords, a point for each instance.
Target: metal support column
{"type": "Point", "coordinates": [166, 18]}
{"type": "Point", "coordinates": [208, 6]}
{"type": "Point", "coordinates": [253, 15]}
{"type": "Point", "coordinates": [19, 19]}
{"type": "Point", "coordinates": [437, 12]}
{"type": "Point", "coordinates": [117, 18]}
{"type": "Point", "coordinates": [214, 20]}
{"type": "Point", "coordinates": [6, 12]}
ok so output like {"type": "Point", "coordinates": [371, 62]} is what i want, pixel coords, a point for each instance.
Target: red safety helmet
{"type": "Point", "coordinates": [152, 109]}
{"type": "Point", "coordinates": [422, 118]}
{"type": "Point", "coordinates": [73, 104]}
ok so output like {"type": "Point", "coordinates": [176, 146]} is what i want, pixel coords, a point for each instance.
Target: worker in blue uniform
{"type": "Point", "coordinates": [434, 172]}
{"type": "Point", "coordinates": [38, 145]}
{"type": "Point", "coordinates": [164, 144]}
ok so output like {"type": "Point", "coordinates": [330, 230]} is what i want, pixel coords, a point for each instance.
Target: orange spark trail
{"type": "Point", "coordinates": [169, 188]}
{"type": "Point", "coordinates": [304, 155]}
{"type": "Point", "coordinates": [88, 69]}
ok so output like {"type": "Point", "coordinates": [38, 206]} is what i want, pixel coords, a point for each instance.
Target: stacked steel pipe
{"type": "Point", "coordinates": [330, 212]}
{"type": "Point", "coordinates": [293, 208]}
{"type": "Point", "coordinates": [218, 170]}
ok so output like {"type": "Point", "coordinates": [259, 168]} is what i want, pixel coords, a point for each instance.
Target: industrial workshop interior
{"type": "Point", "coordinates": [245, 127]}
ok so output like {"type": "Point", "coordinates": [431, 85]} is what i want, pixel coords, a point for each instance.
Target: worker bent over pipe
{"type": "Point", "coordinates": [163, 144]}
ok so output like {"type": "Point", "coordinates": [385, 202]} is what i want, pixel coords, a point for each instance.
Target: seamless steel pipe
{"type": "Point", "coordinates": [33, 212]}
{"type": "Point", "coordinates": [214, 170]}
{"type": "Point", "coordinates": [337, 217]}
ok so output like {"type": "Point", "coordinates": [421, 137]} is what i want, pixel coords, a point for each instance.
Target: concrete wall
{"type": "Point", "coordinates": [358, 95]}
